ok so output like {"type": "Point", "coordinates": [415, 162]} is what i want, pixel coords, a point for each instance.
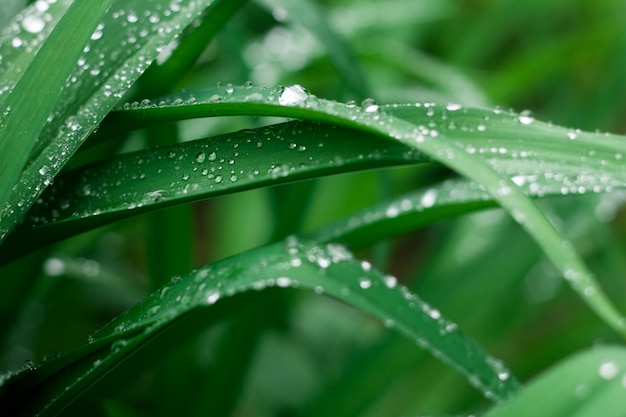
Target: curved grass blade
{"type": "Point", "coordinates": [122, 46]}
{"type": "Point", "coordinates": [587, 384]}
{"type": "Point", "coordinates": [329, 269]}
{"type": "Point", "coordinates": [160, 177]}
{"type": "Point", "coordinates": [440, 137]}
{"type": "Point", "coordinates": [20, 121]}
{"type": "Point", "coordinates": [190, 171]}
{"type": "Point", "coordinates": [443, 133]}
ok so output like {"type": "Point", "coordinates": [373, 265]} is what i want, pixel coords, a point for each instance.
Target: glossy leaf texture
{"type": "Point", "coordinates": [328, 269]}
{"type": "Point", "coordinates": [590, 383]}
{"type": "Point", "coordinates": [120, 49]}
{"type": "Point", "coordinates": [138, 182]}
{"type": "Point", "coordinates": [461, 139]}
{"type": "Point", "coordinates": [20, 122]}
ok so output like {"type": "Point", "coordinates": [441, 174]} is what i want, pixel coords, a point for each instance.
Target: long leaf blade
{"type": "Point", "coordinates": [329, 269]}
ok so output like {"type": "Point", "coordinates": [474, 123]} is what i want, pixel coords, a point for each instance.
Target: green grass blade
{"type": "Point", "coordinates": [330, 269]}
{"type": "Point", "coordinates": [587, 384]}
{"type": "Point", "coordinates": [445, 134]}
{"type": "Point", "coordinates": [20, 121]}
{"type": "Point", "coordinates": [21, 40]}
{"type": "Point", "coordinates": [120, 49]}
{"type": "Point", "coordinates": [136, 183]}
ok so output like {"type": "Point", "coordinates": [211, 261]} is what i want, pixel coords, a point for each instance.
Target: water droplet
{"type": "Point", "coordinates": [525, 118]}
{"type": "Point", "coordinates": [391, 281]}
{"type": "Point", "coordinates": [294, 95]}
{"type": "Point", "coordinates": [229, 88]}
{"type": "Point", "coordinates": [200, 157]}
{"type": "Point", "coordinates": [29, 365]}
{"type": "Point", "coordinates": [212, 297]}
{"type": "Point", "coordinates": [283, 282]}
{"type": "Point", "coordinates": [453, 107]}
{"type": "Point", "coordinates": [608, 370]}
{"type": "Point", "coordinates": [33, 24]}
{"type": "Point", "coordinates": [392, 211]}
{"type": "Point", "coordinates": [212, 156]}
{"type": "Point", "coordinates": [54, 267]}
{"type": "Point", "coordinates": [247, 85]}
{"type": "Point", "coordinates": [429, 198]}
{"type": "Point", "coordinates": [118, 345]}
{"type": "Point", "coordinates": [44, 170]}
{"type": "Point", "coordinates": [365, 283]}
{"type": "Point", "coordinates": [323, 262]}
{"type": "Point", "coordinates": [369, 105]}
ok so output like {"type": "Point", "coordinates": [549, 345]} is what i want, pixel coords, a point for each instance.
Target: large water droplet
{"type": "Point", "coordinates": [294, 95]}
{"type": "Point", "coordinates": [283, 282]}
{"type": "Point", "coordinates": [33, 24]}
{"type": "Point", "coordinates": [365, 283]}
{"type": "Point", "coordinates": [200, 157]}
{"type": "Point", "coordinates": [608, 370]}
{"type": "Point", "coordinates": [212, 297]}
{"type": "Point", "coordinates": [369, 105]}
{"type": "Point", "coordinates": [429, 198]}
{"type": "Point", "coordinates": [525, 118]}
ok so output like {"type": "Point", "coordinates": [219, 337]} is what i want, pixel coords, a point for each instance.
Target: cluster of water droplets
{"type": "Point", "coordinates": [104, 73]}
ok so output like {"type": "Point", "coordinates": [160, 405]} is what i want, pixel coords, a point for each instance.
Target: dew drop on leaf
{"type": "Point", "coordinates": [608, 370]}
{"type": "Point", "coordinates": [200, 157]}
{"type": "Point", "coordinates": [525, 118]}
{"type": "Point", "coordinates": [118, 345]}
{"type": "Point", "coordinates": [212, 297]}
{"type": "Point", "coordinates": [283, 282]}
{"type": "Point", "coordinates": [294, 95]}
{"type": "Point", "coordinates": [365, 283]}
{"type": "Point", "coordinates": [391, 281]}
{"type": "Point", "coordinates": [33, 24]}
{"type": "Point", "coordinates": [369, 105]}
{"type": "Point", "coordinates": [429, 198]}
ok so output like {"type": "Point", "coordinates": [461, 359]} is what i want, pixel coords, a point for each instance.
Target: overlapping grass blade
{"type": "Point", "coordinates": [122, 46]}
{"type": "Point", "coordinates": [20, 121]}
{"type": "Point", "coordinates": [330, 269]}
{"type": "Point", "coordinates": [136, 183]}
{"type": "Point", "coordinates": [445, 135]}
{"type": "Point", "coordinates": [588, 384]}
{"type": "Point", "coordinates": [364, 382]}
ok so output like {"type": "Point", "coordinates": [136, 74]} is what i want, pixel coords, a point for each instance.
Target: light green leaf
{"type": "Point", "coordinates": [588, 384]}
